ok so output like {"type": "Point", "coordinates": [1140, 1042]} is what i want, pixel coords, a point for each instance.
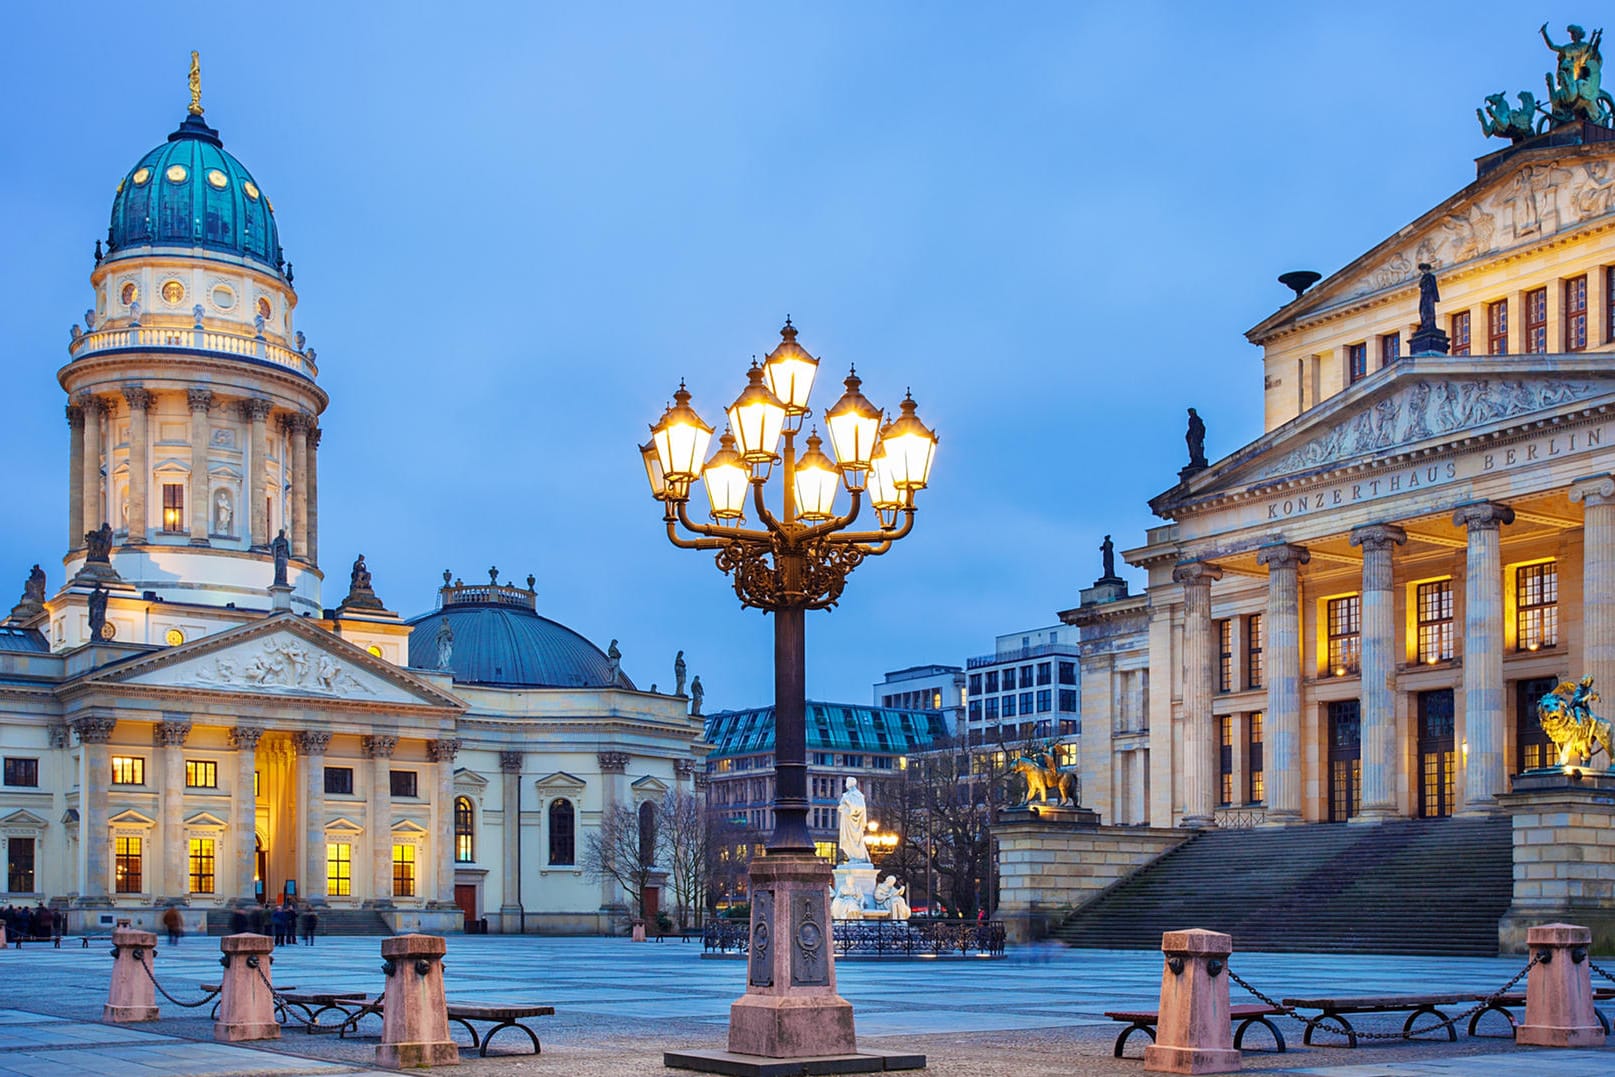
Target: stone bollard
{"type": "Point", "coordinates": [131, 995]}
{"type": "Point", "coordinates": [637, 932]}
{"type": "Point", "coordinates": [415, 1016]}
{"type": "Point", "coordinates": [1559, 990]}
{"type": "Point", "coordinates": [1194, 1035]}
{"type": "Point", "coordinates": [246, 1000]}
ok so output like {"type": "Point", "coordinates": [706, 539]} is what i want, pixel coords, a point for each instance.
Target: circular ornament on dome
{"type": "Point", "coordinates": [176, 173]}
{"type": "Point", "coordinates": [128, 293]}
{"type": "Point", "coordinates": [108, 630]}
{"type": "Point", "coordinates": [223, 297]}
{"type": "Point", "coordinates": [374, 650]}
{"type": "Point", "coordinates": [141, 175]}
{"type": "Point", "coordinates": [174, 637]}
{"type": "Point", "coordinates": [251, 189]}
{"type": "Point", "coordinates": [173, 292]}
{"type": "Point", "coordinates": [264, 308]}
{"type": "Point", "coordinates": [217, 179]}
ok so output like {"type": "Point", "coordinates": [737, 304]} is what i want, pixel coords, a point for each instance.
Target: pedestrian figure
{"type": "Point", "coordinates": [311, 923]}
{"type": "Point", "coordinates": [174, 923]}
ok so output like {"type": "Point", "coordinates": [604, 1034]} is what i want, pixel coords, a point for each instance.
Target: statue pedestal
{"type": "Point", "coordinates": [1564, 854]}
{"type": "Point", "coordinates": [863, 876]}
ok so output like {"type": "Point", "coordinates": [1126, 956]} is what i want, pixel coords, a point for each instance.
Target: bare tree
{"type": "Point", "coordinates": [615, 851]}
{"type": "Point", "coordinates": [685, 851]}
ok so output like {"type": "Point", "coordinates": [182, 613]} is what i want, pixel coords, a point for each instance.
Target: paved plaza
{"type": "Point", "coordinates": [619, 1004]}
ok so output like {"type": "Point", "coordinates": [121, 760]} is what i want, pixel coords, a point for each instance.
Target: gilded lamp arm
{"type": "Point", "coordinates": [714, 530]}
{"type": "Point", "coordinates": [689, 544]}
{"type": "Point", "coordinates": [881, 538]}
{"type": "Point", "coordinates": [768, 519]}
{"type": "Point", "coordinates": [836, 524]}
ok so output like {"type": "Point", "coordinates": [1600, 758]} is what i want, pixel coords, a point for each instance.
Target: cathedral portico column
{"type": "Point", "coordinates": [1378, 688]}
{"type": "Point", "coordinates": [442, 752]}
{"type": "Point", "coordinates": [75, 477]}
{"type": "Point", "coordinates": [613, 770]}
{"type": "Point", "coordinates": [95, 777]}
{"type": "Point", "coordinates": [313, 466]}
{"type": "Point", "coordinates": [168, 737]}
{"type": "Point", "coordinates": [380, 751]}
{"type": "Point", "coordinates": [1199, 686]}
{"type": "Point", "coordinates": [510, 908]}
{"type": "Point", "coordinates": [256, 411]}
{"type": "Point", "coordinates": [200, 400]}
{"type": "Point", "coordinates": [139, 400]}
{"type": "Point", "coordinates": [1597, 495]}
{"type": "Point", "coordinates": [311, 747]}
{"type": "Point", "coordinates": [1281, 657]}
{"type": "Point", "coordinates": [94, 513]}
{"type": "Point", "coordinates": [244, 811]}
{"type": "Point", "coordinates": [1485, 719]}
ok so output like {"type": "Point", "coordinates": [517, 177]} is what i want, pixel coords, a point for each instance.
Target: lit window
{"type": "Point", "coordinates": [465, 831]}
{"type": "Point", "coordinates": [173, 506]}
{"type": "Point", "coordinates": [1536, 321]}
{"type": "Point", "coordinates": [1459, 333]}
{"type": "Point", "coordinates": [403, 870]}
{"type": "Point", "coordinates": [1225, 655]}
{"type": "Point", "coordinates": [1225, 759]}
{"type": "Point", "coordinates": [20, 865]}
{"type": "Point", "coordinates": [126, 865]}
{"type": "Point", "coordinates": [201, 774]}
{"type": "Point", "coordinates": [1345, 620]}
{"type": "Point", "coordinates": [1253, 760]}
{"type": "Point", "coordinates": [1536, 594]}
{"type": "Point", "coordinates": [1434, 601]}
{"type": "Point", "coordinates": [128, 770]}
{"type": "Point", "coordinates": [1253, 651]}
{"type": "Point", "coordinates": [1576, 314]}
{"type": "Point", "coordinates": [338, 869]}
{"type": "Point", "coordinates": [201, 865]}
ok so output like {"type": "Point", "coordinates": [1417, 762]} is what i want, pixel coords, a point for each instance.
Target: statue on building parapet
{"type": "Point", "coordinates": [1107, 555]}
{"type": "Point", "coordinates": [853, 816]}
{"type": "Point", "coordinates": [1566, 714]}
{"type": "Point", "coordinates": [1575, 90]}
{"type": "Point", "coordinates": [679, 670]}
{"type": "Point", "coordinates": [361, 595]}
{"type": "Point", "coordinates": [98, 545]}
{"type": "Point", "coordinates": [613, 663]}
{"type": "Point", "coordinates": [1428, 338]}
{"type": "Point", "coordinates": [32, 602]}
{"type": "Point", "coordinates": [697, 695]}
{"type": "Point", "coordinates": [281, 549]}
{"type": "Point", "coordinates": [98, 613]}
{"type": "Point", "coordinates": [445, 643]}
{"type": "Point", "coordinates": [1195, 437]}
{"type": "Point", "coordinates": [1500, 120]}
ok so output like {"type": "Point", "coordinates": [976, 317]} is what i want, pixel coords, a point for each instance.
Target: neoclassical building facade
{"type": "Point", "coordinates": [182, 718]}
{"type": "Point", "coordinates": [1351, 617]}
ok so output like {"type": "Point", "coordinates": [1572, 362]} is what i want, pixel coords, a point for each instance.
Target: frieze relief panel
{"type": "Point", "coordinates": [1425, 409]}
{"type": "Point", "coordinates": [282, 664]}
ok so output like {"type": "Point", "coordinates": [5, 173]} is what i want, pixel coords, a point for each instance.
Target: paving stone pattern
{"type": "Point", "coordinates": [620, 1004]}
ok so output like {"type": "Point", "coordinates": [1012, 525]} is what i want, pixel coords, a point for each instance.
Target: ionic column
{"type": "Point", "coordinates": [313, 465]}
{"type": "Point", "coordinates": [1485, 717]}
{"type": "Point", "coordinates": [442, 752]}
{"type": "Point", "coordinates": [139, 463]}
{"type": "Point", "coordinates": [168, 737]}
{"type": "Point", "coordinates": [1281, 659]}
{"type": "Point", "coordinates": [380, 751]}
{"type": "Point", "coordinates": [613, 767]}
{"type": "Point", "coordinates": [1597, 495]}
{"type": "Point", "coordinates": [1378, 688]}
{"type": "Point", "coordinates": [298, 426]}
{"type": "Point", "coordinates": [510, 908]}
{"type": "Point", "coordinates": [95, 777]}
{"type": "Point", "coordinates": [256, 411]}
{"type": "Point", "coordinates": [1199, 686]}
{"type": "Point", "coordinates": [75, 477]}
{"type": "Point", "coordinates": [95, 512]}
{"type": "Point", "coordinates": [244, 810]}
{"type": "Point", "coordinates": [311, 752]}
{"type": "Point", "coordinates": [200, 400]}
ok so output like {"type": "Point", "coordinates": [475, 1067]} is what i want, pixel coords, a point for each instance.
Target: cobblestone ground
{"type": "Point", "coordinates": [620, 1004]}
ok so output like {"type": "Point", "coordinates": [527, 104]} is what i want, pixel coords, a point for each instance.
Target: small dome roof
{"type": "Point", "coordinates": [500, 640]}
{"type": "Point", "coordinates": [190, 193]}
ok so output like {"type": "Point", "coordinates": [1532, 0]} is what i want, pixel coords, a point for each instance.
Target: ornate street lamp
{"type": "Point", "coordinates": [797, 560]}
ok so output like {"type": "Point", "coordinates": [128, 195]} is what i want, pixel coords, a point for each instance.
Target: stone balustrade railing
{"type": "Point", "coordinates": [192, 340]}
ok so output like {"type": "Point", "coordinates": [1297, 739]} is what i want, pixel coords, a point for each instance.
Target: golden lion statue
{"type": "Point", "coordinates": [1043, 778]}
{"type": "Point", "coordinates": [1567, 717]}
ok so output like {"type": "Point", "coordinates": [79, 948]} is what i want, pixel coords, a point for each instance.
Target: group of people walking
{"type": "Point", "coordinates": [283, 922]}
{"type": "Point", "coordinates": [40, 922]}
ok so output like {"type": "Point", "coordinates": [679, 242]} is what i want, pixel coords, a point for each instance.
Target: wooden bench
{"type": "Point", "coordinates": [503, 1017]}
{"type": "Point", "coordinates": [1145, 1021]}
{"type": "Point", "coordinates": [1335, 1009]}
{"type": "Point", "coordinates": [1503, 1003]}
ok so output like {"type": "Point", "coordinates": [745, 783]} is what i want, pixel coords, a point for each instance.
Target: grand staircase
{"type": "Point", "coordinates": [1428, 886]}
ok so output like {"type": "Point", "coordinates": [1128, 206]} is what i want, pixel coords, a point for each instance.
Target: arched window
{"type": "Point", "coordinates": [465, 831]}
{"type": "Point", "coordinates": [647, 833]}
{"type": "Point", "coordinates": [563, 842]}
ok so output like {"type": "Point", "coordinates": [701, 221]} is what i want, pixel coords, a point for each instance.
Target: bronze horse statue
{"type": "Point", "coordinates": [1043, 778]}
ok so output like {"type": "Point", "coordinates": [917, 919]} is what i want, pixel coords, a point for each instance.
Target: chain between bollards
{"type": "Point", "coordinates": [139, 956]}
{"type": "Point", "coordinates": [1601, 972]}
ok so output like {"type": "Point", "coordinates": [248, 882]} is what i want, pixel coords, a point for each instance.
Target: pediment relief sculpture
{"type": "Point", "coordinates": [1425, 409]}
{"type": "Point", "coordinates": [280, 665]}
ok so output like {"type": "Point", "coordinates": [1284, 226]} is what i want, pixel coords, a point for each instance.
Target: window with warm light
{"type": "Point", "coordinates": [1344, 617]}
{"type": "Point", "coordinates": [173, 506]}
{"type": "Point", "coordinates": [465, 831]}
{"type": "Point", "coordinates": [1433, 602]}
{"type": "Point", "coordinates": [201, 774]}
{"type": "Point", "coordinates": [126, 865]}
{"type": "Point", "coordinates": [338, 869]}
{"type": "Point", "coordinates": [128, 770]}
{"type": "Point", "coordinates": [1255, 784]}
{"type": "Point", "coordinates": [201, 865]}
{"type": "Point", "coordinates": [404, 870]}
{"type": "Point", "coordinates": [1536, 597]}
{"type": "Point", "coordinates": [1253, 651]}
{"type": "Point", "coordinates": [1225, 759]}
{"type": "Point", "coordinates": [1225, 655]}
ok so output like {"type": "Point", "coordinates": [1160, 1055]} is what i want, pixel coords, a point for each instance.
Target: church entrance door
{"type": "Point", "coordinates": [1436, 754]}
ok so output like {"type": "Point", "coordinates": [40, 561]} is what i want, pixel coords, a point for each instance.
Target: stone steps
{"type": "Point", "coordinates": [332, 922]}
{"type": "Point", "coordinates": [1435, 886]}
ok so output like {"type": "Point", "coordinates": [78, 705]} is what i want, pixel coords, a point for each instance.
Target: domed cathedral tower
{"type": "Point", "coordinates": [192, 403]}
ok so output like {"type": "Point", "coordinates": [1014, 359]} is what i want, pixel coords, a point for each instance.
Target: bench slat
{"type": "Point", "coordinates": [497, 1013]}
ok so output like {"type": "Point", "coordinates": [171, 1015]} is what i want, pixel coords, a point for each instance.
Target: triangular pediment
{"type": "Point", "coordinates": [281, 655]}
{"type": "Point", "coordinates": [408, 828]}
{"type": "Point", "coordinates": [1413, 408]}
{"type": "Point", "coordinates": [130, 817]}
{"type": "Point", "coordinates": [206, 819]}
{"type": "Point", "coordinates": [342, 825]}
{"type": "Point", "coordinates": [560, 782]}
{"type": "Point", "coordinates": [469, 780]}
{"type": "Point", "coordinates": [649, 786]}
{"type": "Point", "coordinates": [22, 817]}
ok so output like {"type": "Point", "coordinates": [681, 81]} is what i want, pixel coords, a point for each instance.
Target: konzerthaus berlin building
{"type": "Point", "coordinates": [182, 718]}
{"type": "Point", "coordinates": [1352, 616]}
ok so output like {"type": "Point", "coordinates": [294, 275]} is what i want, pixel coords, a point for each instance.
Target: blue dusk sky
{"type": "Point", "coordinates": [516, 227]}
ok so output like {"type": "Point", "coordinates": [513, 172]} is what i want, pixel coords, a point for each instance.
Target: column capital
{"type": "Point", "coordinates": [255, 409]}
{"type": "Point", "coordinates": [444, 750]}
{"type": "Point", "coordinates": [88, 403]}
{"type": "Point", "coordinates": [298, 422]}
{"type": "Point", "coordinates": [199, 399]}
{"type": "Point", "coordinates": [314, 435]}
{"type": "Point", "coordinates": [1196, 573]}
{"type": "Point", "coordinates": [246, 737]}
{"type": "Point", "coordinates": [379, 747]}
{"type": "Point", "coordinates": [138, 397]}
{"type": "Point", "coordinates": [684, 767]}
{"type": "Point", "coordinates": [94, 729]}
{"type": "Point", "coordinates": [613, 762]}
{"type": "Point", "coordinates": [312, 742]}
{"type": "Point", "coordinates": [1282, 555]}
{"type": "Point", "coordinates": [1482, 515]}
{"type": "Point", "coordinates": [75, 416]}
{"type": "Point", "coordinates": [170, 733]}
{"type": "Point", "coordinates": [60, 733]}
{"type": "Point", "coordinates": [1378, 536]}
{"type": "Point", "coordinates": [511, 762]}
{"type": "Point", "coordinates": [1593, 490]}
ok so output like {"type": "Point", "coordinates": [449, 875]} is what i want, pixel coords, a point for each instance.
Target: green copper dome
{"type": "Point", "coordinates": [190, 193]}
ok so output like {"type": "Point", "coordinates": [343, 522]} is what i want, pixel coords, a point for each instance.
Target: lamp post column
{"type": "Point", "coordinates": [790, 733]}
{"type": "Point", "coordinates": [1282, 657]}
{"type": "Point", "coordinates": [1199, 686]}
{"type": "Point", "coordinates": [1379, 748]}
{"type": "Point", "coordinates": [1485, 725]}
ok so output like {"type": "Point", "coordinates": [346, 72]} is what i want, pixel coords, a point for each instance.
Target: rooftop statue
{"type": "Point", "coordinates": [679, 670]}
{"type": "Point", "coordinates": [1196, 439]}
{"type": "Point", "coordinates": [445, 644]}
{"type": "Point", "coordinates": [282, 551]}
{"type": "Point", "coordinates": [1501, 121]}
{"type": "Point", "coordinates": [34, 589]}
{"type": "Point", "coordinates": [697, 695]}
{"type": "Point", "coordinates": [613, 663]}
{"type": "Point", "coordinates": [1107, 551]}
{"type": "Point", "coordinates": [1575, 88]}
{"type": "Point", "coordinates": [98, 612]}
{"type": "Point", "coordinates": [98, 544]}
{"type": "Point", "coordinates": [1566, 714]}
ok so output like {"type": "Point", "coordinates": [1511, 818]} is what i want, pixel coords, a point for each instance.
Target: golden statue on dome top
{"type": "Point", "coordinates": [196, 83]}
